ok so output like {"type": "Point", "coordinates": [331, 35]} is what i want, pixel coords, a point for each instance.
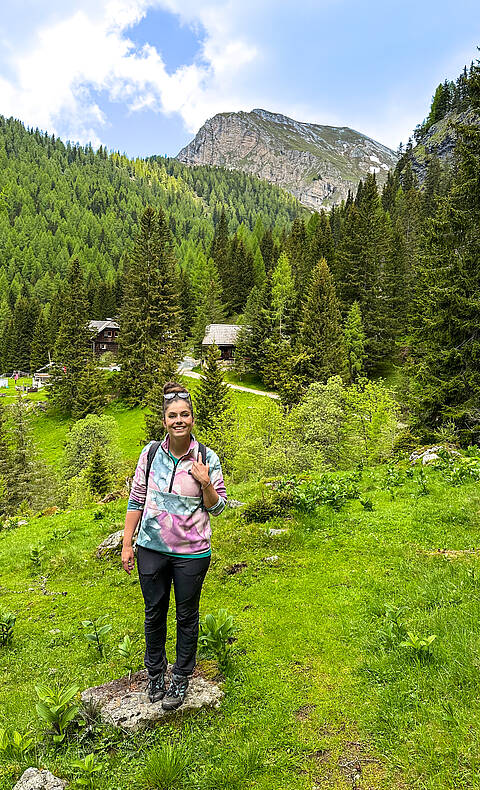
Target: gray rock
{"type": "Point", "coordinates": [274, 532]}
{"type": "Point", "coordinates": [234, 503]}
{"type": "Point", "coordinates": [33, 779]}
{"type": "Point", "coordinates": [126, 705]}
{"type": "Point", "coordinates": [272, 560]}
{"type": "Point", "coordinates": [430, 454]}
{"type": "Point", "coordinates": [318, 164]}
{"type": "Point", "coordinates": [112, 544]}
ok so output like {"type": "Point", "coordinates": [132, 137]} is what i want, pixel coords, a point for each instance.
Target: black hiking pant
{"type": "Point", "coordinates": [156, 572]}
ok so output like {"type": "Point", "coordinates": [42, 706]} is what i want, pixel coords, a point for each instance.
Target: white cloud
{"type": "Point", "coordinates": [88, 51]}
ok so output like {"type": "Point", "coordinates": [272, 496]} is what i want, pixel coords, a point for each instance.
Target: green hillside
{"type": "Point", "coordinates": [60, 200]}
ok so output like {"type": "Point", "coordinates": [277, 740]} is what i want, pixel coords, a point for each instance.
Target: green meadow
{"type": "Point", "coordinates": [328, 685]}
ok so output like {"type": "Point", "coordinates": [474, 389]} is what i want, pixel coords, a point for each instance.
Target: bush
{"type": "Point", "coordinates": [333, 491]}
{"type": "Point", "coordinates": [84, 438]}
{"type": "Point", "coordinates": [263, 509]}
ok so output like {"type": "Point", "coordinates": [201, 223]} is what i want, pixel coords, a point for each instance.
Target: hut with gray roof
{"type": "Point", "coordinates": [224, 336]}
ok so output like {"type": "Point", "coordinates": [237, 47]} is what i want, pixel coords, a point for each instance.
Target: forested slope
{"type": "Point", "coordinates": [61, 200]}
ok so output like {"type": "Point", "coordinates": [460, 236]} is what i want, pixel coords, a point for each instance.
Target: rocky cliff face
{"type": "Point", "coordinates": [440, 140]}
{"type": "Point", "coordinates": [317, 164]}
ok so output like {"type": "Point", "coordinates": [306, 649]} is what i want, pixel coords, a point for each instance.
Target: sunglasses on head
{"type": "Point", "coordinates": [173, 395]}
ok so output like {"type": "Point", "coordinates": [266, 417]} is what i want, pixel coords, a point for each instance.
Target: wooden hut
{"type": "Point", "coordinates": [224, 336]}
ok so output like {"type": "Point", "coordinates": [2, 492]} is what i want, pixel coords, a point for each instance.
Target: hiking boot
{"type": "Point", "coordinates": [156, 687]}
{"type": "Point", "coordinates": [176, 692]}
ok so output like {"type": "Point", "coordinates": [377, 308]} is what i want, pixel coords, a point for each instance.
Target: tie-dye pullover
{"type": "Point", "coordinates": [174, 520]}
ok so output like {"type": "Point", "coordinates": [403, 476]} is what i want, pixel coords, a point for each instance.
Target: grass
{"type": "Point", "coordinates": [320, 682]}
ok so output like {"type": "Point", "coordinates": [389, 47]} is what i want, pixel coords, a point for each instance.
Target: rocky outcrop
{"type": "Point", "coordinates": [124, 703]}
{"type": "Point", "coordinates": [440, 141]}
{"type": "Point", "coordinates": [33, 779]}
{"type": "Point", "coordinates": [317, 164]}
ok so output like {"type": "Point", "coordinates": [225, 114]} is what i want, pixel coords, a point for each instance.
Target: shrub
{"type": "Point", "coordinates": [84, 437]}
{"type": "Point", "coordinates": [263, 509]}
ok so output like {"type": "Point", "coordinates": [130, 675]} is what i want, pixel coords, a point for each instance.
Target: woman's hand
{"type": "Point", "coordinates": [128, 559]}
{"type": "Point", "coordinates": [200, 471]}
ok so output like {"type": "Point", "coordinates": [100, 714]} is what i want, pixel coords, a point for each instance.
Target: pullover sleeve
{"type": "Point", "coordinates": [216, 476]}
{"type": "Point", "coordinates": [138, 491]}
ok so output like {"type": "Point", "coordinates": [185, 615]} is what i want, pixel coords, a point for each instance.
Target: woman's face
{"type": "Point", "coordinates": [178, 419]}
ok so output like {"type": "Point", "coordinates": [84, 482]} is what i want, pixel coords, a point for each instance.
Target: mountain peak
{"type": "Point", "coordinates": [316, 163]}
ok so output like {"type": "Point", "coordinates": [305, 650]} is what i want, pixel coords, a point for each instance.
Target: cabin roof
{"type": "Point", "coordinates": [221, 334]}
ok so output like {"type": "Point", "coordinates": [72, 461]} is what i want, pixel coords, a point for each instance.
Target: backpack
{"type": "Point", "coordinates": [152, 451]}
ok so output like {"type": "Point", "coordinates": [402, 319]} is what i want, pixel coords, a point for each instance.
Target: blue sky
{"type": "Point", "coordinates": [141, 76]}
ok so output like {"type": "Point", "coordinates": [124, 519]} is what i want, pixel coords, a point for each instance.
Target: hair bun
{"type": "Point", "coordinates": [173, 386]}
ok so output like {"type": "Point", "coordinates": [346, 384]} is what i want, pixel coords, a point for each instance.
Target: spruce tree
{"type": "Point", "coordinates": [98, 473]}
{"type": "Point", "coordinates": [283, 296]}
{"type": "Point", "coordinates": [220, 246]}
{"type": "Point", "coordinates": [40, 347]}
{"type": "Point", "coordinates": [212, 396]}
{"type": "Point", "coordinates": [150, 318]}
{"type": "Point", "coordinates": [444, 367]}
{"type": "Point", "coordinates": [30, 485]}
{"type": "Point", "coordinates": [258, 328]}
{"type": "Point", "coordinates": [321, 337]}
{"type": "Point", "coordinates": [362, 260]}
{"type": "Point", "coordinates": [72, 354]}
{"type": "Point", "coordinates": [354, 340]}
{"type": "Point", "coordinates": [207, 290]}
{"type": "Point", "coordinates": [154, 428]}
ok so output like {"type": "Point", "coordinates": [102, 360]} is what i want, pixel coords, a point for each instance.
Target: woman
{"type": "Point", "coordinates": [173, 543]}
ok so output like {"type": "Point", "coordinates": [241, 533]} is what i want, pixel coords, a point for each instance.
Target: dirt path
{"type": "Point", "coordinates": [193, 375]}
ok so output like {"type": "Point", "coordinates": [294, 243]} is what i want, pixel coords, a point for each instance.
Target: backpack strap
{"type": "Point", "coordinates": [152, 451]}
{"type": "Point", "coordinates": [203, 452]}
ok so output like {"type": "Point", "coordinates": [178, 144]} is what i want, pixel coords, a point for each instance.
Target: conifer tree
{"type": "Point", "coordinates": [296, 248]}
{"type": "Point", "coordinates": [445, 370]}
{"type": "Point", "coordinates": [150, 318]}
{"type": "Point", "coordinates": [29, 483]}
{"type": "Point", "coordinates": [40, 343]}
{"type": "Point", "coordinates": [154, 428]}
{"type": "Point", "coordinates": [283, 295]}
{"type": "Point", "coordinates": [72, 354]}
{"type": "Point", "coordinates": [98, 473]}
{"type": "Point", "coordinates": [215, 414]}
{"type": "Point", "coordinates": [5, 465]}
{"type": "Point", "coordinates": [220, 245]}
{"type": "Point", "coordinates": [320, 334]}
{"type": "Point", "coordinates": [258, 328]}
{"type": "Point", "coordinates": [209, 308]}
{"type": "Point", "coordinates": [354, 339]}
{"type": "Point", "coordinates": [362, 260]}
{"type": "Point", "coordinates": [212, 397]}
